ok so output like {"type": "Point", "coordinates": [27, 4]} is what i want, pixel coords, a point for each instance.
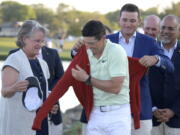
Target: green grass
{"type": "Point", "coordinates": [65, 55]}
{"type": "Point", "coordinates": [68, 45]}
{"type": "Point", "coordinates": [74, 130]}
{"type": "Point", "coordinates": [7, 44]}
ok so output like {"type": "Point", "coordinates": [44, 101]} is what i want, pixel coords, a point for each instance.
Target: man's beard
{"type": "Point", "coordinates": [165, 40]}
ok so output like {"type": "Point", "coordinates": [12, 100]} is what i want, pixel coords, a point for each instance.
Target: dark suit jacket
{"type": "Point", "coordinates": [145, 45]}
{"type": "Point", "coordinates": [56, 71]}
{"type": "Point", "coordinates": [165, 89]}
{"type": "Point", "coordinates": [55, 65]}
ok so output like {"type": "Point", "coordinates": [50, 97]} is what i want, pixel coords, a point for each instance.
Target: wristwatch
{"type": "Point", "coordinates": [158, 58]}
{"type": "Point", "coordinates": [88, 81]}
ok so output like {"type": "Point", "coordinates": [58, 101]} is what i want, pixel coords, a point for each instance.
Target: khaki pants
{"type": "Point", "coordinates": [84, 126]}
{"type": "Point", "coordinates": [145, 128]}
{"type": "Point", "coordinates": [163, 129]}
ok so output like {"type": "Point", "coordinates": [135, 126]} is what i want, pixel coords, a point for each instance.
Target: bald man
{"type": "Point", "coordinates": [152, 26]}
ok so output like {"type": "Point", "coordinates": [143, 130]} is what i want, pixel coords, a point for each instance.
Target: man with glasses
{"type": "Point", "coordinates": [165, 90]}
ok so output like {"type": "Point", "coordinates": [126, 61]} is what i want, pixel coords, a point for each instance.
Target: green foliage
{"type": "Point", "coordinates": [13, 12]}
{"type": "Point", "coordinates": [81, 18]}
{"type": "Point", "coordinates": [174, 9]}
{"type": "Point", "coordinates": [43, 15]}
{"type": "Point", "coordinates": [113, 18]}
{"type": "Point", "coordinates": [67, 20]}
{"type": "Point", "coordinates": [73, 20]}
{"type": "Point", "coordinates": [153, 10]}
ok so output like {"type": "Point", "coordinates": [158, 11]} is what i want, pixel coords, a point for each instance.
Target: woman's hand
{"type": "Point", "coordinates": [20, 86]}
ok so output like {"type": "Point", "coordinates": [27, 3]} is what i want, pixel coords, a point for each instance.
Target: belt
{"type": "Point", "coordinates": [108, 108]}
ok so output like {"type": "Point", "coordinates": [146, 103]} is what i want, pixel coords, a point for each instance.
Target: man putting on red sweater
{"type": "Point", "coordinates": [109, 78]}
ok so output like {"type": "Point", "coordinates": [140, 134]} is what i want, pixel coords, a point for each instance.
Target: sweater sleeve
{"type": "Point", "coordinates": [136, 71]}
{"type": "Point", "coordinates": [58, 91]}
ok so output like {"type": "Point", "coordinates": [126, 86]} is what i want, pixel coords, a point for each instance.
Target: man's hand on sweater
{"type": "Point", "coordinates": [79, 74]}
{"type": "Point", "coordinates": [78, 44]}
{"type": "Point", "coordinates": [148, 61]}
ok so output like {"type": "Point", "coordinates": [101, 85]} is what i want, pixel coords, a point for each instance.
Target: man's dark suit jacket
{"type": "Point", "coordinates": [56, 71]}
{"type": "Point", "coordinates": [145, 45]}
{"type": "Point", "coordinates": [165, 89]}
{"type": "Point", "coordinates": [54, 63]}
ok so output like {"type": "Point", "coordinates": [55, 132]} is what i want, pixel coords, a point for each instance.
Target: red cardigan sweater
{"type": "Point", "coordinates": [84, 92]}
{"type": "Point", "coordinates": [136, 72]}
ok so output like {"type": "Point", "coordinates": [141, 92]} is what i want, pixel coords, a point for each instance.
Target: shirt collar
{"type": "Point", "coordinates": [121, 36]}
